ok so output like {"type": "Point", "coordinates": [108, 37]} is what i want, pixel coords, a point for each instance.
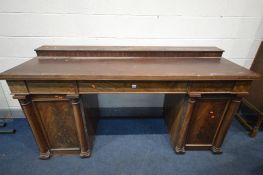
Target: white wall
{"type": "Point", "coordinates": [233, 25]}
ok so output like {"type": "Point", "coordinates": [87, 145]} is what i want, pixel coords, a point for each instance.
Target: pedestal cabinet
{"type": "Point", "coordinates": [56, 116]}
{"type": "Point", "coordinates": [61, 124]}
{"type": "Point", "coordinates": [199, 122]}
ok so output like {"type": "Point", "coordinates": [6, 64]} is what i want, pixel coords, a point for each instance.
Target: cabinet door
{"type": "Point", "coordinates": [206, 117]}
{"type": "Point", "coordinates": [57, 119]}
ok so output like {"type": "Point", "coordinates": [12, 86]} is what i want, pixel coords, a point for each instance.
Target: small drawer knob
{"type": "Point", "coordinates": [133, 86]}
{"type": "Point", "coordinates": [211, 112]}
{"type": "Point", "coordinates": [213, 116]}
{"type": "Point", "coordinates": [59, 97]}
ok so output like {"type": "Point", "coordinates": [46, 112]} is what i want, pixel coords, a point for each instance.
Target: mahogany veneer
{"type": "Point", "coordinates": [128, 51]}
{"type": "Point", "coordinates": [58, 92]}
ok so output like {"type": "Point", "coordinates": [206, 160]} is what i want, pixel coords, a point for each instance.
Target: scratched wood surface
{"type": "Point", "coordinates": [128, 63]}
{"type": "Point", "coordinates": [49, 85]}
{"type": "Point", "coordinates": [129, 69]}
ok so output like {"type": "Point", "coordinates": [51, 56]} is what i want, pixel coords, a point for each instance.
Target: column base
{"type": "Point", "coordinates": [179, 150]}
{"type": "Point", "coordinates": [44, 156]}
{"type": "Point", "coordinates": [85, 154]}
{"type": "Point", "coordinates": [216, 150]}
{"type": "Point", "coordinates": [254, 132]}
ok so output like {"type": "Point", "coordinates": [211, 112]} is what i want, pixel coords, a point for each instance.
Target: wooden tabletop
{"type": "Point", "coordinates": [112, 68]}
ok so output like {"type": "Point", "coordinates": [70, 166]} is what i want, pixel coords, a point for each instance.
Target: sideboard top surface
{"type": "Point", "coordinates": [111, 68]}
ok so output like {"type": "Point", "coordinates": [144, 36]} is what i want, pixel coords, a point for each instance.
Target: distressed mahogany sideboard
{"type": "Point", "coordinates": [58, 89]}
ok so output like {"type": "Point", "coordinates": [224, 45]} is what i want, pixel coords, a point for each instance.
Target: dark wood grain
{"type": "Point", "coordinates": [129, 69]}
{"type": "Point", "coordinates": [232, 109]}
{"type": "Point", "coordinates": [58, 92]}
{"type": "Point", "coordinates": [109, 86]}
{"type": "Point", "coordinates": [35, 125]}
{"type": "Point", "coordinates": [174, 113]}
{"type": "Point", "coordinates": [210, 86]}
{"type": "Point", "coordinates": [90, 107]}
{"type": "Point", "coordinates": [131, 86]}
{"type": "Point", "coordinates": [17, 87]}
{"type": "Point", "coordinates": [128, 51]}
{"type": "Point", "coordinates": [186, 117]}
{"type": "Point", "coordinates": [80, 127]}
{"type": "Point", "coordinates": [51, 87]}
{"type": "Point", "coordinates": [205, 120]}
{"type": "Point", "coordinates": [58, 122]}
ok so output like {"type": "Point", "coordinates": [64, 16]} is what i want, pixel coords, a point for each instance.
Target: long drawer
{"type": "Point", "coordinates": [131, 86]}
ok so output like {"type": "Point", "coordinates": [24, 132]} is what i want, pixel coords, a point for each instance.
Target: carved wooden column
{"type": "Point", "coordinates": [29, 112]}
{"type": "Point", "coordinates": [180, 145]}
{"type": "Point", "coordinates": [232, 109]}
{"type": "Point", "coordinates": [84, 147]}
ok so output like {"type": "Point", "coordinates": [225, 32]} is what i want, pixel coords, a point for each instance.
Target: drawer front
{"type": "Point", "coordinates": [212, 86]}
{"type": "Point", "coordinates": [242, 86]}
{"type": "Point", "coordinates": [51, 87]}
{"type": "Point", "coordinates": [205, 120]}
{"type": "Point", "coordinates": [131, 86]}
{"type": "Point", "coordinates": [17, 87]}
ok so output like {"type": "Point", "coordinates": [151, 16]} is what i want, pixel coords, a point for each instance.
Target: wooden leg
{"type": "Point", "coordinates": [243, 121]}
{"type": "Point", "coordinates": [254, 131]}
{"type": "Point", "coordinates": [28, 109]}
{"type": "Point", "coordinates": [84, 148]}
{"type": "Point", "coordinates": [179, 148]}
{"type": "Point", "coordinates": [233, 107]}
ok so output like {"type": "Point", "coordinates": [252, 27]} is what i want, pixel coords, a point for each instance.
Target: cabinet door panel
{"type": "Point", "coordinates": [205, 120]}
{"type": "Point", "coordinates": [58, 123]}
